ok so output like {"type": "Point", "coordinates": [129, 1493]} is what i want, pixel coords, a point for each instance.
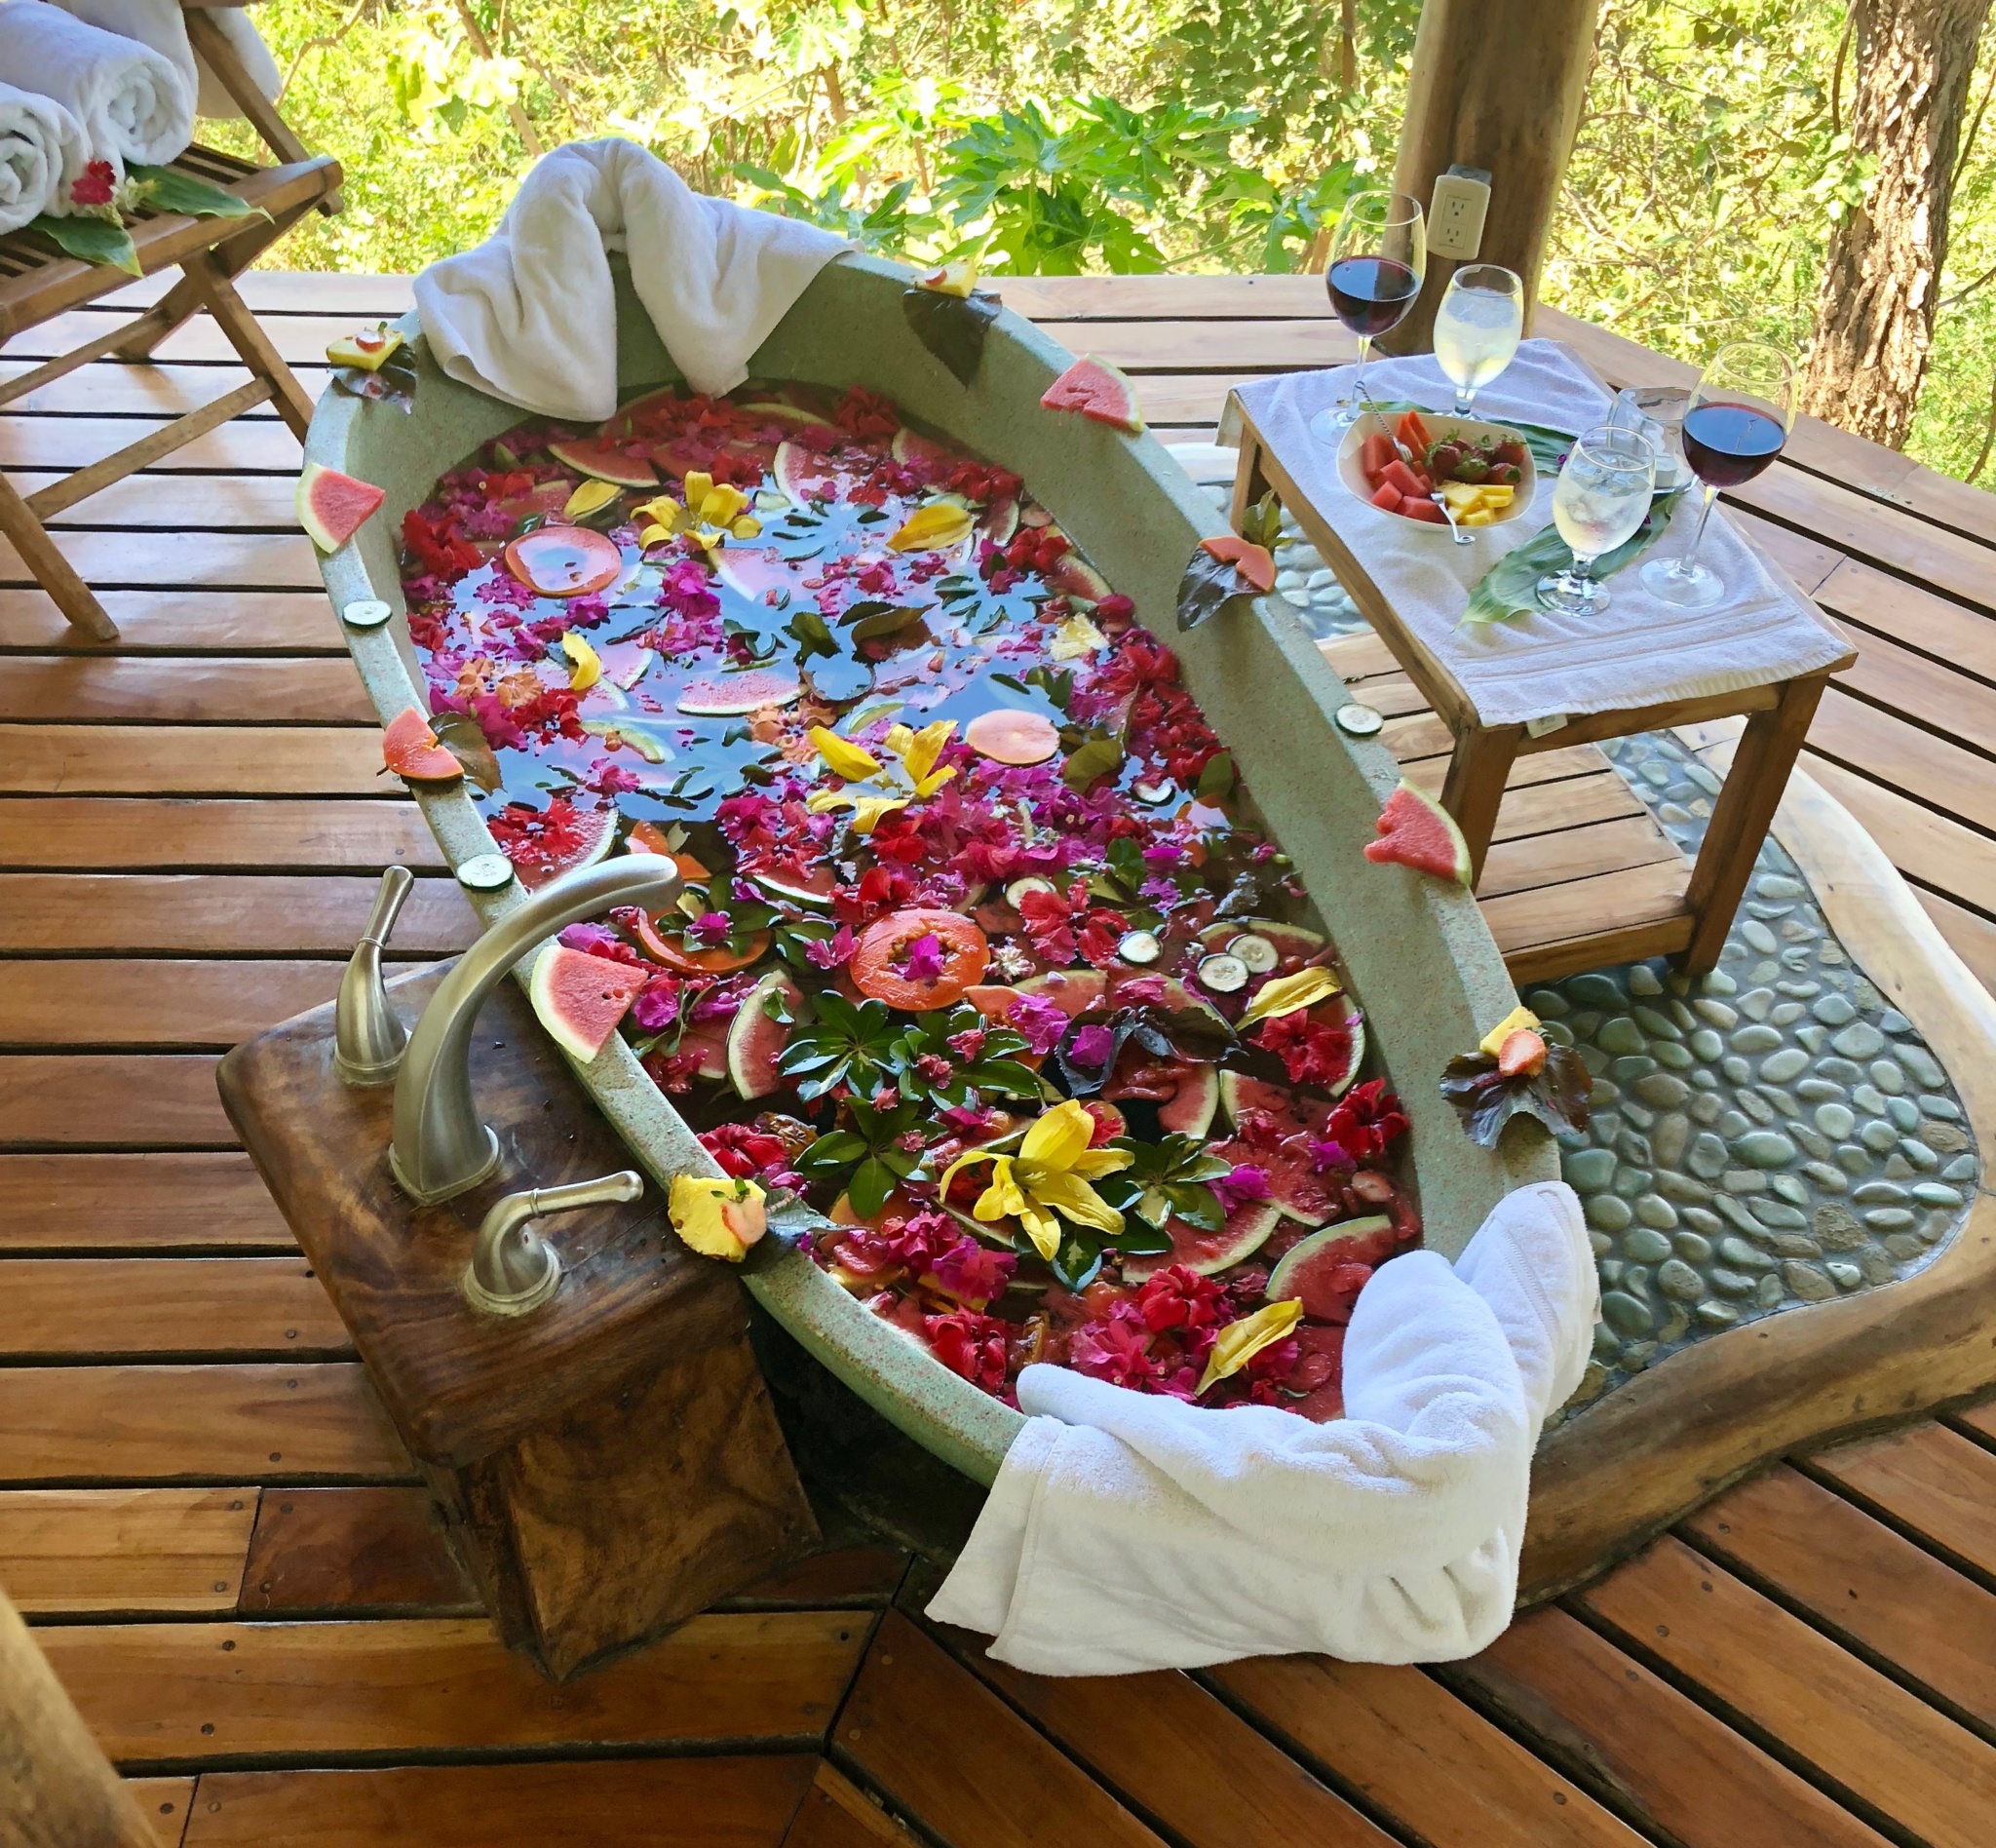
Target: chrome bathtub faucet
{"type": "Point", "coordinates": [367, 1034]}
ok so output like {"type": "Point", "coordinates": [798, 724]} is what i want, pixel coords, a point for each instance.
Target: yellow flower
{"type": "Point", "coordinates": [918, 751]}
{"type": "Point", "coordinates": [1075, 637]}
{"type": "Point", "coordinates": [1239, 1343]}
{"type": "Point", "coordinates": [1049, 1175]}
{"type": "Point", "coordinates": [588, 499]}
{"type": "Point", "coordinates": [866, 809]}
{"type": "Point", "coordinates": [588, 668]}
{"type": "Point", "coordinates": [1517, 1021]}
{"type": "Point", "coordinates": [911, 777]}
{"type": "Point", "coordinates": [717, 1216]}
{"type": "Point", "coordinates": [1290, 994]}
{"type": "Point", "coordinates": [933, 528]}
{"type": "Point", "coordinates": [709, 516]}
{"type": "Point", "coordinates": [844, 758]}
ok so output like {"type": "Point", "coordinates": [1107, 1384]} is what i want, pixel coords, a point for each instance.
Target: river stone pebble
{"type": "Point", "coordinates": [1670, 1139]}
{"type": "Point", "coordinates": [1834, 1120]}
{"type": "Point", "coordinates": [1808, 1280]}
{"type": "Point", "coordinates": [1756, 935]}
{"type": "Point", "coordinates": [1595, 990]}
{"type": "Point", "coordinates": [1743, 1257]}
{"type": "Point", "coordinates": [1835, 1010]}
{"type": "Point", "coordinates": [1765, 1148]}
{"type": "Point", "coordinates": [1818, 1090]}
{"type": "Point", "coordinates": [1694, 1248]}
{"type": "Point", "coordinates": [1962, 1168]}
{"type": "Point", "coordinates": [1845, 1276]}
{"type": "Point", "coordinates": [1924, 1067]}
{"type": "Point", "coordinates": [1717, 1315]}
{"type": "Point", "coordinates": [1708, 1156]}
{"type": "Point", "coordinates": [1756, 1039]}
{"type": "Point", "coordinates": [1718, 1013]}
{"type": "Point", "coordinates": [1645, 1245]}
{"type": "Point", "coordinates": [1661, 1088]}
{"type": "Point", "coordinates": [1609, 1212]}
{"type": "Point", "coordinates": [1627, 1315]}
{"type": "Point", "coordinates": [1945, 1108]}
{"type": "Point", "coordinates": [1839, 1070]}
{"type": "Point", "coordinates": [1887, 1076]}
{"type": "Point", "coordinates": [1643, 980]}
{"type": "Point", "coordinates": [1903, 1111]}
{"type": "Point", "coordinates": [1878, 1137]}
{"type": "Point", "coordinates": [1778, 1068]}
{"type": "Point", "coordinates": [1886, 1218]}
{"type": "Point", "coordinates": [1931, 1193]}
{"type": "Point", "coordinates": [1589, 1170]}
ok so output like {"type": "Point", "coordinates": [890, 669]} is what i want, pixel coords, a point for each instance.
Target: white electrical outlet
{"type": "Point", "coordinates": [1456, 214]}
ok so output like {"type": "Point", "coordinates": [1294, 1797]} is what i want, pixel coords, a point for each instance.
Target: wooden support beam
{"type": "Point", "coordinates": [1497, 85]}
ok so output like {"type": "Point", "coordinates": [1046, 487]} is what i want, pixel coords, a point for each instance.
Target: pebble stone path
{"type": "Point", "coordinates": [1769, 1134]}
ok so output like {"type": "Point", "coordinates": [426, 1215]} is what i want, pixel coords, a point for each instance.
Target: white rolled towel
{"type": "Point", "coordinates": [41, 151]}
{"type": "Point", "coordinates": [162, 25]}
{"type": "Point", "coordinates": [129, 102]}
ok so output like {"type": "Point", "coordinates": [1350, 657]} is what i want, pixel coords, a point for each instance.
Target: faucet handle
{"type": "Point", "coordinates": [513, 1268]}
{"type": "Point", "coordinates": [368, 1036]}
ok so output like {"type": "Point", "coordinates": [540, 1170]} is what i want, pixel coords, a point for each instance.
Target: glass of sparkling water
{"type": "Point", "coordinates": [1601, 499]}
{"type": "Point", "coordinates": [1477, 326]}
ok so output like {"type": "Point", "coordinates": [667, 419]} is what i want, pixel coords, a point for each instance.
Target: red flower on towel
{"type": "Point", "coordinates": [94, 186]}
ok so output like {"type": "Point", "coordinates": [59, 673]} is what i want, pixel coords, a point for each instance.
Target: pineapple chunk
{"type": "Point", "coordinates": [1497, 497]}
{"type": "Point", "coordinates": [365, 350]}
{"type": "Point", "coordinates": [1482, 517]}
{"type": "Point", "coordinates": [1464, 497]}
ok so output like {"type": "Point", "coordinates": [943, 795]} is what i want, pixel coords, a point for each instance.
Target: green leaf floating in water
{"type": "Point", "coordinates": [1510, 587]}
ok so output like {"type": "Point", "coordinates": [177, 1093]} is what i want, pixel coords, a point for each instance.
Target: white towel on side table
{"type": "Point", "coordinates": [129, 101]}
{"type": "Point", "coordinates": [163, 25]}
{"type": "Point", "coordinates": [42, 150]}
{"type": "Point", "coordinates": [1129, 1532]}
{"type": "Point", "coordinates": [530, 315]}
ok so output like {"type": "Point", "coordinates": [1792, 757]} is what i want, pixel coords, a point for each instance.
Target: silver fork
{"type": "Point", "coordinates": [1462, 538]}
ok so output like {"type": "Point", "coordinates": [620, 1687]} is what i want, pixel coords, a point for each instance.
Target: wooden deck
{"type": "Point", "coordinates": [234, 1568]}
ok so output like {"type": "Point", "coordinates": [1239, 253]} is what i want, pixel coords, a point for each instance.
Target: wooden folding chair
{"type": "Point", "coordinates": [38, 282]}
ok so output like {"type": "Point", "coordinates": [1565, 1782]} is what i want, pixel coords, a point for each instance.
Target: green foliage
{"type": "Point", "coordinates": [1052, 136]}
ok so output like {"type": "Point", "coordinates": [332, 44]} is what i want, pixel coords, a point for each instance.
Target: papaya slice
{"type": "Point", "coordinates": [1254, 562]}
{"type": "Point", "coordinates": [410, 748]}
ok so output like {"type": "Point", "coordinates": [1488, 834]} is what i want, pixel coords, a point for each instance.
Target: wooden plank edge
{"type": "Point", "coordinates": [1649, 1452]}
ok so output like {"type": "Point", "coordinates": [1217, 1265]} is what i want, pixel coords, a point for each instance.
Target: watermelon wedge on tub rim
{"type": "Point", "coordinates": [1131, 521]}
{"type": "Point", "coordinates": [1099, 389]}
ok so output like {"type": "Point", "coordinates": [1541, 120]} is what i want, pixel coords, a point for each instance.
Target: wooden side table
{"type": "Point", "coordinates": [1681, 910]}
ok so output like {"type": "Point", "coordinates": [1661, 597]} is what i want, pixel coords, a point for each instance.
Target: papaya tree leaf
{"type": "Point", "coordinates": [952, 326]}
{"type": "Point", "coordinates": [167, 189]}
{"type": "Point", "coordinates": [460, 735]}
{"type": "Point", "coordinates": [91, 241]}
{"type": "Point", "coordinates": [1216, 780]}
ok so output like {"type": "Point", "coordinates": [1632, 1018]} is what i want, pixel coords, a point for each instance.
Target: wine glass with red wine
{"type": "Point", "coordinates": [1735, 425]}
{"type": "Point", "coordinates": [1378, 256]}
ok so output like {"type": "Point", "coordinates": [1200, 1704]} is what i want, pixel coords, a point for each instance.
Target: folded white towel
{"type": "Point", "coordinates": [129, 101]}
{"type": "Point", "coordinates": [530, 315]}
{"type": "Point", "coordinates": [41, 151]}
{"type": "Point", "coordinates": [1128, 1531]}
{"type": "Point", "coordinates": [163, 25]}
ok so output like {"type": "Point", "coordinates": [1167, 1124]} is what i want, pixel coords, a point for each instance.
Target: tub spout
{"type": "Point", "coordinates": [441, 1147]}
{"type": "Point", "coordinates": [513, 1268]}
{"type": "Point", "coordinates": [367, 1034]}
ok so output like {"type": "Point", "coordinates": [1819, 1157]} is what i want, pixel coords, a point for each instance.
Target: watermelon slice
{"type": "Point", "coordinates": [1191, 1111]}
{"type": "Point", "coordinates": [755, 1040]}
{"type": "Point", "coordinates": [1326, 1271]}
{"type": "Point", "coordinates": [1416, 830]}
{"type": "Point", "coordinates": [1319, 1356]}
{"type": "Point", "coordinates": [911, 446]}
{"type": "Point", "coordinates": [770, 411]}
{"type": "Point", "coordinates": [1072, 990]}
{"type": "Point", "coordinates": [333, 507]}
{"type": "Point", "coordinates": [566, 838]}
{"type": "Point", "coordinates": [804, 474]}
{"type": "Point", "coordinates": [604, 458]}
{"type": "Point", "coordinates": [757, 572]}
{"type": "Point", "coordinates": [410, 748]}
{"type": "Point", "coordinates": [1074, 576]}
{"type": "Point", "coordinates": [999, 520]}
{"type": "Point", "coordinates": [734, 694]}
{"type": "Point", "coordinates": [1288, 1112]}
{"type": "Point", "coordinates": [1244, 1232]}
{"type": "Point", "coordinates": [580, 998]}
{"type": "Point", "coordinates": [800, 884]}
{"type": "Point", "coordinates": [1296, 1190]}
{"type": "Point", "coordinates": [1097, 389]}
{"type": "Point", "coordinates": [709, 1039]}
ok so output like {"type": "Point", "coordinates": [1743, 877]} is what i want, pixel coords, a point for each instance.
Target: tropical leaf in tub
{"type": "Point", "coordinates": [950, 325]}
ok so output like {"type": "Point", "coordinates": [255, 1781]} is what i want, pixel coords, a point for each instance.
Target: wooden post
{"type": "Point", "coordinates": [1497, 85]}
{"type": "Point", "coordinates": [57, 1789]}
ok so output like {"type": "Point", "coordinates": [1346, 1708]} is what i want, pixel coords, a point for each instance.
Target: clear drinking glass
{"type": "Point", "coordinates": [1477, 327]}
{"type": "Point", "coordinates": [1378, 256]}
{"type": "Point", "coordinates": [1735, 425]}
{"type": "Point", "coordinates": [1658, 412]}
{"type": "Point", "coordinates": [1602, 497]}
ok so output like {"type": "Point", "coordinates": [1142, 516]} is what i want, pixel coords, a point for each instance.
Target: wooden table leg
{"type": "Point", "coordinates": [1474, 787]}
{"type": "Point", "coordinates": [1741, 817]}
{"type": "Point", "coordinates": [52, 570]}
{"type": "Point", "coordinates": [1249, 483]}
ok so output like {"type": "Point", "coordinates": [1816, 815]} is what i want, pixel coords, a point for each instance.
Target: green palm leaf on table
{"type": "Point", "coordinates": [1510, 587]}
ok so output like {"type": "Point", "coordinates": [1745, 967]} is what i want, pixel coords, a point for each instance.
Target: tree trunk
{"type": "Point", "coordinates": [1881, 279]}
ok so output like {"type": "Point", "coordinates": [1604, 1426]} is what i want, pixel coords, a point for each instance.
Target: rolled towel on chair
{"type": "Point", "coordinates": [163, 25]}
{"type": "Point", "coordinates": [129, 101]}
{"type": "Point", "coordinates": [41, 151]}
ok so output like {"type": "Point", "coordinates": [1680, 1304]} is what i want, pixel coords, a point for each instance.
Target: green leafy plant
{"type": "Point", "coordinates": [849, 1044]}
{"type": "Point", "coordinates": [992, 1069]}
{"type": "Point", "coordinates": [869, 1158]}
{"type": "Point", "coordinates": [1168, 1177]}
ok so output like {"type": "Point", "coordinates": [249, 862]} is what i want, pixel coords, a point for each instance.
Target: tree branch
{"type": "Point", "coordinates": [1989, 432]}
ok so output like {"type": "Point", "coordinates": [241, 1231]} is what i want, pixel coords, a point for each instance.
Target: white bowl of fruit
{"type": "Point", "coordinates": [1483, 470]}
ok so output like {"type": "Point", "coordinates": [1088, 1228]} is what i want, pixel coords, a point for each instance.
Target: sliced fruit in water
{"type": "Point", "coordinates": [1290, 1111]}
{"type": "Point", "coordinates": [1256, 563]}
{"type": "Point", "coordinates": [1073, 576]}
{"type": "Point", "coordinates": [1294, 1187]}
{"type": "Point", "coordinates": [801, 884]}
{"type": "Point", "coordinates": [1007, 735]}
{"type": "Point", "coordinates": [1244, 1232]}
{"type": "Point", "coordinates": [883, 964]}
{"type": "Point", "coordinates": [803, 473]}
{"type": "Point", "coordinates": [1097, 389]}
{"type": "Point", "coordinates": [410, 748]}
{"type": "Point", "coordinates": [1326, 1271]}
{"type": "Point", "coordinates": [755, 572]}
{"type": "Point", "coordinates": [1292, 943]}
{"type": "Point", "coordinates": [1415, 830]}
{"type": "Point", "coordinates": [911, 446]}
{"type": "Point", "coordinates": [605, 458]}
{"type": "Point", "coordinates": [658, 936]}
{"type": "Point", "coordinates": [333, 507]}
{"type": "Point", "coordinates": [733, 694]}
{"type": "Point", "coordinates": [1191, 1111]}
{"type": "Point", "coordinates": [580, 998]}
{"type": "Point", "coordinates": [792, 414]}
{"type": "Point", "coordinates": [1000, 519]}
{"type": "Point", "coordinates": [563, 841]}
{"type": "Point", "coordinates": [1072, 990]}
{"type": "Point", "coordinates": [709, 1039]}
{"type": "Point", "coordinates": [565, 560]}
{"type": "Point", "coordinates": [756, 1039]}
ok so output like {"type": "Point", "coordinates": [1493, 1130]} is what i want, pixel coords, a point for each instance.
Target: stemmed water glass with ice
{"type": "Point", "coordinates": [1601, 499]}
{"type": "Point", "coordinates": [1378, 256]}
{"type": "Point", "coordinates": [1477, 327]}
{"type": "Point", "coordinates": [1735, 425]}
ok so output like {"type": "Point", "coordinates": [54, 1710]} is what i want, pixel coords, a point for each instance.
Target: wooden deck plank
{"type": "Point", "coordinates": [131, 833]}
{"type": "Point", "coordinates": [170, 914]}
{"type": "Point", "coordinates": [166, 1802]}
{"type": "Point", "coordinates": [1928, 848]}
{"type": "Point", "coordinates": [740, 1802]}
{"type": "Point", "coordinates": [236, 560]}
{"type": "Point", "coordinates": [1169, 1748]}
{"type": "Point", "coordinates": [78, 688]}
{"type": "Point", "coordinates": [1532, 862]}
{"type": "Point", "coordinates": [1414, 1751]}
{"type": "Point", "coordinates": [956, 1760]}
{"type": "Point", "coordinates": [228, 1423]}
{"type": "Point", "coordinates": [73, 1552]}
{"type": "Point", "coordinates": [244, 623]}
{"type": "Point", "coordinates": [1879, 742]}
{"type": "Point", "coordinates": [140, 1307]}
{"type": "Point", "coordinates": [835, 1814]}
{"type": "Point", "coordinates": [173, 502]}
{"type": "Point", "coordinates": [191, 760]}
{"type": "Point", "coordinates": [179, 1693]}
{"type": "Point", "coordinates": [167, 1201]}
{"type": "Point", "coordinates": [251, 446]}
{"type": "Point", "coordinates": [1929, 1481]}
{"type": "Point", "coordinates": [1857, 1730]}
{"type": "Point", "coordinates": [1971, 936]}
{"type": "Point", "coordinates": [1862, 1581]}
{"type": "Point", "coordinates": [345, 1551]}
{"type": "Point", "coordinates": [94, 1001]}
{"type": "Point", "coordinates": [1636, 1742]}
{"type": "Point", "coordinates": [111, 1101]}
